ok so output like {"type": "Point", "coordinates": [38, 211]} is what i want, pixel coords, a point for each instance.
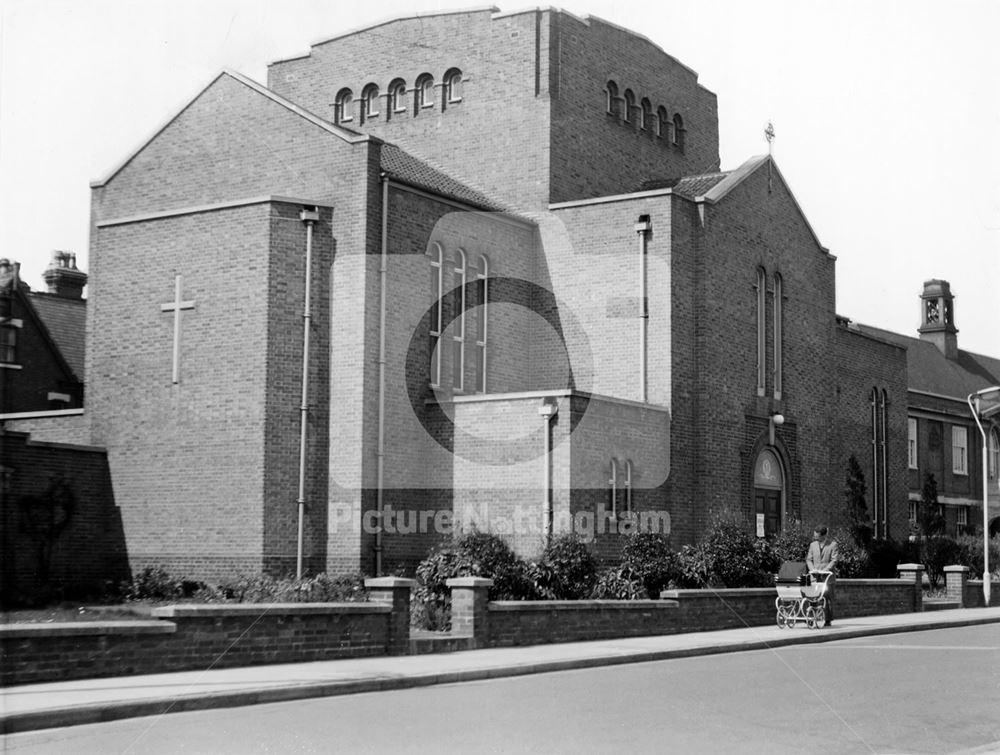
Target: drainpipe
{"type": "Point", "coordinates": [875, 455]}
{"type": "Point", "coordinates": [885, 470]}
{"type": "Point", "coordinates": [642, 228]}
{"type": "Point", "coordinates": [380, 451]}
{"type": "Point", "coordinates": [547, 411]}
{"type": "Point", "coordinates": [309, 217]}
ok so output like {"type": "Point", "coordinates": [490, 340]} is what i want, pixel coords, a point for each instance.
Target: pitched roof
{"type": "Point", "coordinates": [928, 370]}
{"type": "Point", "coordinates": [66, 321]}
{"type": "Point", "coordinates": [332, 128]}
{"type": "Point", "coordinates": [405, 168]}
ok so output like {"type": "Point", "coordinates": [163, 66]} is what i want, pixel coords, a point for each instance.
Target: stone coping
{"type": "Point", "coordinates": [728, 592]}
{"type": "Point", "coordinates": [254, 609]}
{"type": "Point", "coordinates": [84, 628]}
{"type": "Point", "coordinates": [577, 605]}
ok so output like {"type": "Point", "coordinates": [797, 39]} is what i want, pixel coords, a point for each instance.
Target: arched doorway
{"type": "Point", "coordinates": [768, 493]}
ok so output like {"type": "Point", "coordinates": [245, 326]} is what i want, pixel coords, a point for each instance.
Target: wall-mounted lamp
{"type": "Point", "coordinates": [548, 408]}
{"type": "Point", "coordinates": [773, 421]}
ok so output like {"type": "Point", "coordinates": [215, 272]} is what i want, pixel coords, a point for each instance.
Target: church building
{"type": "Point", "coordinates": [494, 278]}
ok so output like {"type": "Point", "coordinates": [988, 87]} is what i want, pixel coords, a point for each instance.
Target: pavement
{"type": "Point", "coordinates": [42, 706]}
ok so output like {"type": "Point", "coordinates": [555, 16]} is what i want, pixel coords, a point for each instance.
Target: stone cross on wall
{"type": "Point", "coordinates": [176, 306]}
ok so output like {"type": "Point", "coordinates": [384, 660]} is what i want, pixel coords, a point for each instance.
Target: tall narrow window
{"type": "Point", "coordinates": [8, 343]}
{"type": "Point", "coordinates": [343, 106]}
{"type": "Point", "coordinates": [436, 281]}
{"type": "Point", "coordinates": [761, 328]}
{"type": "Point", "coordinates": [629, 106]}
{"type": "Point", "coordinates": [482, 322]}
{"type": "Point", "coordinates": [994, 454]}
{"type": "Point", "coordinates": [662, 122]}
{"type": "Point", "coordinates": [778, 303]}
{"type": "Point", "coordinates": [911, 442]}
{"type": "Point", "coordinates": [453, 85]}
{"type": "Point", "coordinates": [397, 96]}
{"type": "Point", "coordinates": [678, 136]}
{"type": "Point", "coordinates": [613, 488]}
{"type": "Point", "coordinates": [425, 91]}
{"type": "Point", "coordinates": [369, 102]}
{"type": "Point", "coordinates": [614, 104]}
{"type": "Point", "coordinates": [959, 450]}
{"type": "Point", "coordinates": [458, 325]}
{"type": "Point", "coordinates": [628, 486]}
{"type": "Point", "coordinates": [645, 114]}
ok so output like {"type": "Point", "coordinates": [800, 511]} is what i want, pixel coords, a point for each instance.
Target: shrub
{"type": "Point", "coordinates": [972, 553]}
{"type": "Point", "coordinates": [153, 583]}
{"type": "Point", "coordinates": [734, 557]}
{"type": "Point", "coordinates": [883, 558]}
{"type": "Point", "coordinates": [942, 551]}
{"type": "Point", "coordinates": [792, 544]}
{"type": "Point", "coordinates": [692, 567]}
{"type": "Point", "coordinates": [431, 603]}
{"type": "Point", "coordinates": [619, 584]}
{"type": "Point", "coordinates": [852, 559]}
{"type": "Point", "coordinates": [476, 554]}
{"type": "Point", "coordinates": [566, 571]}
{"type": "Point", "coordinates": [647, 556]}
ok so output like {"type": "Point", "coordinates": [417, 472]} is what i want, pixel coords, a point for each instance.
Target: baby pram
{"type": "Point", "coordinates": [801, 595]}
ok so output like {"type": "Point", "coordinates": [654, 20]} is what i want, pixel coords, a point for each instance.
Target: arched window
{"type": "Point", "coordinates": [761, 327]}
{"type": "Point", "coordinates": [369, 102]}
{"type": "Point", "coordinates": [458, 325]}
{"type": "Point", "coordinates": [994, 454]}
{"type": "Point", "coordinates": [343, 106]}
{"type": "Point", "coordinates": [645, 114]}
{"type": "Point", "coordinates": [425, 91]}
{"type": "Point", "coordinates": [662, 122]}
{"type": "Point", "coordinates": [482, 328]}
{"type": "Point", "coordinates": [613, 488]}
{"type": "Point", "coordinates": [777, 308]}
{"type": "Point", "coordinates": [436, 253]}
{"type": "Point", "coordinates": [628, 486]}
{"type": "Point", "coordinates": [629, 105]}
{"type": "Point", "coordinates": [453, 85]}
{"type": "Point", "coordinates": [614, 104]}
{"type": "Point", "coordinates": [397, 96]}
{"type": "Point", "coordinates": [677, 138]}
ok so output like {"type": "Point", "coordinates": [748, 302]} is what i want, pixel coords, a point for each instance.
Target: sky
{"type": "Point", "coordinates": [886, 113]}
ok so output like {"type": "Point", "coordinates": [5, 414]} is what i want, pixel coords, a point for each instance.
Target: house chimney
{"type": "Point", "coordinates": [937, 317]}
{"type": "Point", "coordinates": [62, 276]}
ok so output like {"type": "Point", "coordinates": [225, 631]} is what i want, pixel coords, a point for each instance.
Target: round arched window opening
{"type": "Point", "coordinates": [768, 493]}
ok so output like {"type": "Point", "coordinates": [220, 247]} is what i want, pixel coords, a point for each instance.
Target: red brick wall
{"type": "Point", "coordinates": [57, 540]}
{"type": "Point", "coordinates": [540, 622]}
{"type": "Point", "coordinates": [596, 154]}
{"type": "Point", "coordinates": [197, 637]}
{"type": "Point", "coordinates": [756, 225]}
{"type": "Point", "coordinates": [496, 126]}
{"type": "Point", "coordinates": [864, 363]}
{"type": "Point", "coordinates": [532, 125]}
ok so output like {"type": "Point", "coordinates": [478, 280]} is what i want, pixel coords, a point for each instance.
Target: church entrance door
{"type": "Point", "coordinates": [768, 494]}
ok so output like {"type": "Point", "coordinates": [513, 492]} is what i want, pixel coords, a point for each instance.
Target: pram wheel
{"type": "Point", "coordinates": [782, 617]}
{"type": "Point", "coordinates": [811, 621]}
{"type": "Point", "coordinates": [820, 614]}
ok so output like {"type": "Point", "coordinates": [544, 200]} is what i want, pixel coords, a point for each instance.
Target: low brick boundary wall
{"type": "Point", "coordinates": [507, 623]}
{"type": "Point", "coordinates": [189, 637]}
{"type": "Point", "coordinates": [537, 622]}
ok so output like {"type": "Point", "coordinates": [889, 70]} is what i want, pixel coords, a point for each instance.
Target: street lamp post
{"type": "Point", "coordinates": [985, 404]}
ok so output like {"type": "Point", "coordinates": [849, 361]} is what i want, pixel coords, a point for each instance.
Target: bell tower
{"type": "Point", "coordinates": [937, 317]}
